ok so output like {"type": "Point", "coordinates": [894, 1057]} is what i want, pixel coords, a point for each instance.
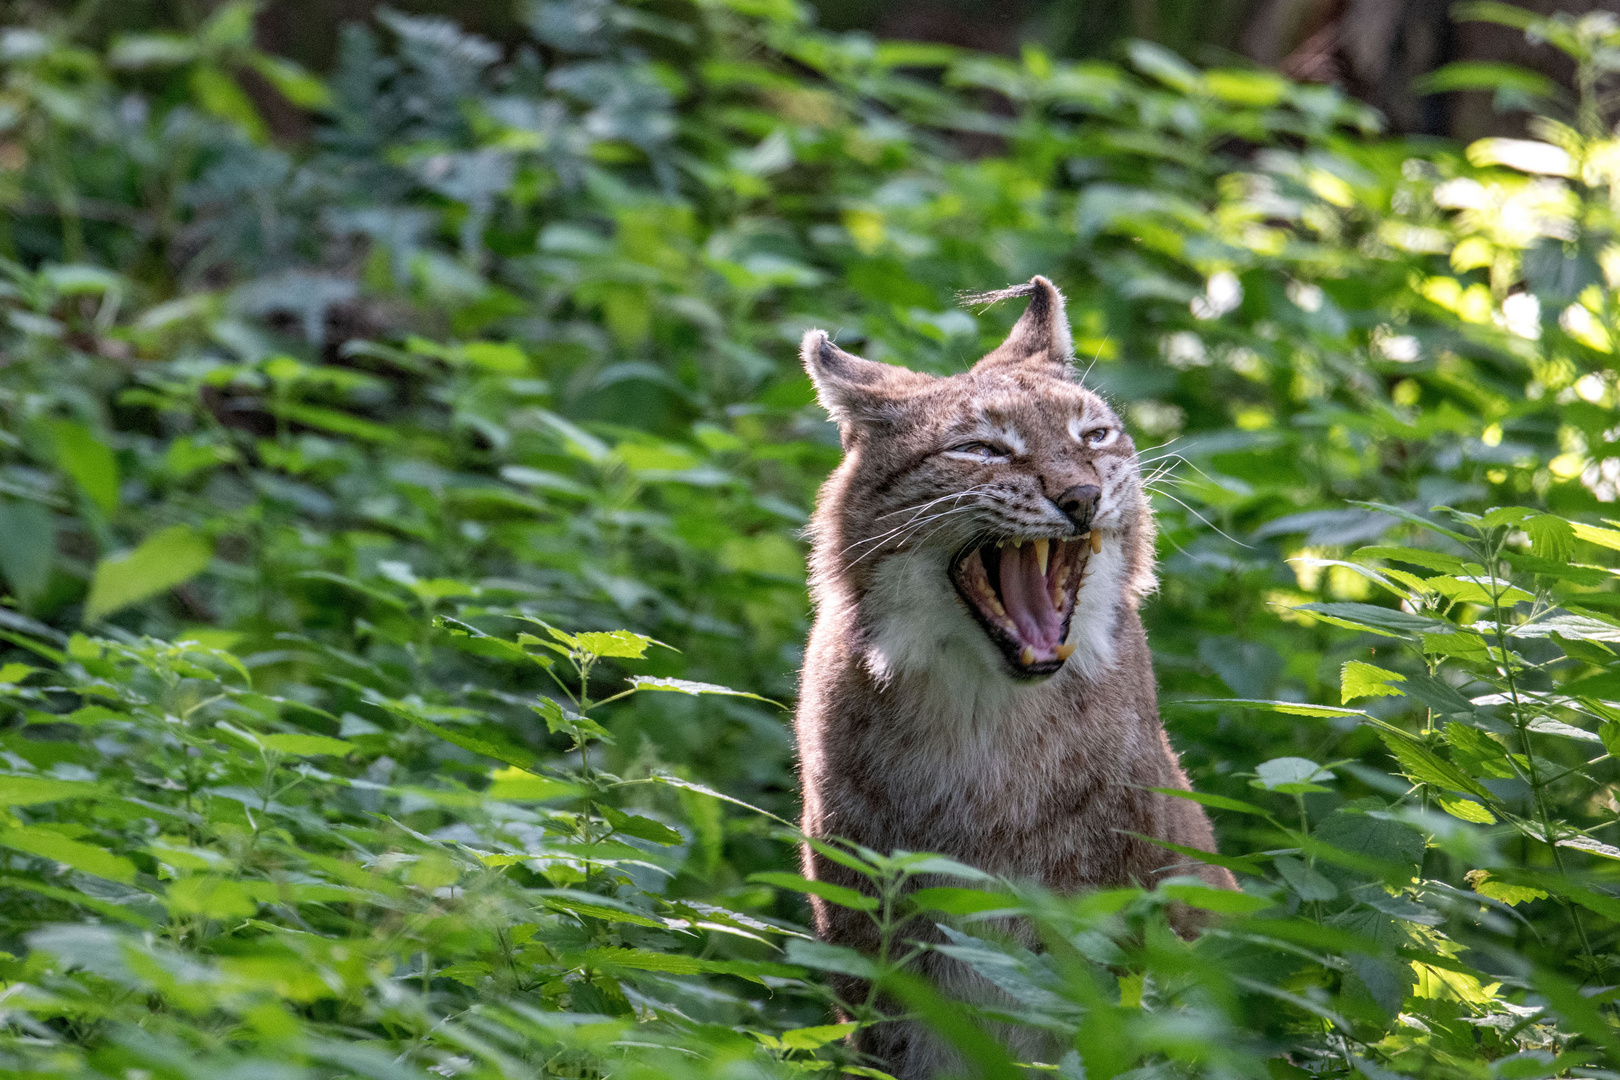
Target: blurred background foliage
{"type": "Point", "coordinates": [420, 372]}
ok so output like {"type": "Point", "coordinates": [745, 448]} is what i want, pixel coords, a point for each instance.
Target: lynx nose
{"type": "Point", "coordinates": [1079, 503]}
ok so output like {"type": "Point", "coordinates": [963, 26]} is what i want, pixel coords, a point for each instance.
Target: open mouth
{"type": "Point", "coordinates": [1023, 593]}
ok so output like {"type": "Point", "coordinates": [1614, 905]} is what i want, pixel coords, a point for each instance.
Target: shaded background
{"type": "Point", "coordinates": [1374, 48]}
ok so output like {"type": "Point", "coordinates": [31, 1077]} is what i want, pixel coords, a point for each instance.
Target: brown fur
{"type": "Point", "coordinates": [914, 732]}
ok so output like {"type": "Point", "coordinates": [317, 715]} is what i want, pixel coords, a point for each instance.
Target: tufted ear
{"type": "Point", "coordinates": [858, 394]}
{"type": "Point", "coordinates": [1041, 334]}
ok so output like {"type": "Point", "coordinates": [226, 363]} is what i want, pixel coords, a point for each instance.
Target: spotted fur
{"type": "Point", "coordinates": [913, 732]}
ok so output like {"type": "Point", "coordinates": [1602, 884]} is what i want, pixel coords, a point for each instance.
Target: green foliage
{"type": "Point", "coordinates": [333, 467]}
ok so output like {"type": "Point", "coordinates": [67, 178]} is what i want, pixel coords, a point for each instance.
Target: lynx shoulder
{"type": "Point", "coordinates": [977, 682]}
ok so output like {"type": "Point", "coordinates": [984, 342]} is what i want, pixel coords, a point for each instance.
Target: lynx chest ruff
{"type": "Point", "coordinates": [977, 683]}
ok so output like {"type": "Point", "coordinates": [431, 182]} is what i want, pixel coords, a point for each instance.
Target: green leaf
{"type": "Point", "coordinates": [1359, 680]}
{"type": "Point", "coordinates": [1217, 802]}
{"type": "Point", "coordinates": [677, 964]}
{"type": "Point", "coordinates": [49, 844]}
{"type": "Point", "coordinates": [1387, 621]}
{"type": "Point", "coordinates": [1425, 767]}
{"type": "Point", "coordinates": [511, 755]}
{"type": "Point", "coordinates": [687, 686]}
{"type": "Point", "coordinates": [1289, 776]}
{"type": "Point", "coordinates": [138, 51]}
{"type": "Point", "coordinates": [296, 85]}
{"type": "Point", "coordinates": [30, 790]}
{"type": "Point", "coordinates": [561, 720]}
{"type": "Point", "coordinates": [163, 560]}
{"type": "Point", "coordinates": [1509, 893]}
{"type": "Point", "coordinates": [1304, 879]}
{"type": "Point", "coordinates": [216, 92]}
{"type": "Point", "coordinates": [958, 901]}
{"type": "Point", "coordinates": [825, 957]}
{"type": "Point", "coordinates": [1238, 864]}
{"type": "Point", "coordinates": [339, 423]}
{"type": "Point", "coordinates": [27, 547]}
{"type": "Point", "coordinates": [1608, 538]}
{"type": "Point", "coordinates": [833, 894]}
{"type": "Point", "coordinates": [1220, 901]}
{"type": "Point", "coordinates": [1429, 560]}
{"type": "Point", "coordinates": [211, 897]}
{"type": "Point", "coordinates": [617, 644]}
{"type": "Point", "coordinates": [516, 785]}
{"type": "Point", "coordinates": [88, 461]}
{"type": "Point", "coordinates": [1412, 519]}
{"type": "Point", "coordinates": [644, 828]}
{"type": "Point", "coordinates": [1292, 708]}
{"type": "Point", "coordinates": [1465, 809]}
{"type": "Point", "coordinates": [1551, 538]}
{"type": "Point", "coordinates": [593, 906]}
{"type": "Point", "coordinates": [1486, 75]}
{"type": "Point", "coordinates": [306, 745]}
{"type": "Point", "coordinates": [812, 1038]}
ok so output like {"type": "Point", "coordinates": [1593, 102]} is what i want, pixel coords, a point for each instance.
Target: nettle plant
{"type": "Point", "coordinates": [207, 872]}
{"type": "Point", "coordinates": [1491, 687]}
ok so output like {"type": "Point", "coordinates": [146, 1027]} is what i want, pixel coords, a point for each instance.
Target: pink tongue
{"type": "Point", "coordinates": [1028, 601]}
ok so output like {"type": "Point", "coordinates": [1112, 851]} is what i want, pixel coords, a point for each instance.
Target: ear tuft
{"type": "Point", "coordinates": [1040, 336]}
{"type": "Point", "coordinates": [856, 393]}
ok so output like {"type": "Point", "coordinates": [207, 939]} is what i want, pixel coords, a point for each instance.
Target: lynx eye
{"type": "Point", "coordinates": [981, 451]}
{"type": "Point", "coordinates": [1098, 436]}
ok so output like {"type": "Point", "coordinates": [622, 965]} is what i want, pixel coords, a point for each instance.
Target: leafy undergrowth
{"type": "Point", "coordinates": [339, 451]}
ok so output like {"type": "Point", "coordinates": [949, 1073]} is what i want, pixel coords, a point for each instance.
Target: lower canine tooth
{"type": "Point", "coordinates": [1096, 543]}
{"type": "Point", "coordinates": [1065, 651]}
{"type": "Point", "coordinates": [1027, 657]}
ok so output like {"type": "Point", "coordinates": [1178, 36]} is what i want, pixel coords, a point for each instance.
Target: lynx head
{"type": "Point", "coordinates": [992, 519]}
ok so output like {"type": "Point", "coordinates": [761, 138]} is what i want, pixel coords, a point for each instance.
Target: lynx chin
{"type": "Point", "coordinates": [977, 683]}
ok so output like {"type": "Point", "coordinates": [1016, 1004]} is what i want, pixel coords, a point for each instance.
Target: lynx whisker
{"type": "Point", "coordinates": [907, 531]}
{"type": "Point", "coordinates": [900, 528]}
{"type": "Point", "coordinates": [1204, 519]}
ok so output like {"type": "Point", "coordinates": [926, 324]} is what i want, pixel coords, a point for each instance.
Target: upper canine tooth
{"type": "Point", "coordinates": [1042, 552]}
{"type": "Point", "coordinates": [1096, 543]}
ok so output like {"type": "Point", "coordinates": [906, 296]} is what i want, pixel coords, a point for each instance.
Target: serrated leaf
{"type": "Point", "coordinates": [1387, 621]}
{"type": "Point", "coordinates": [1217, 802]}
{"type": "Point", "coordinates": [1220, 901]}
{"type": "Point", "coordinates": [678, 964]}
{"type": "Point", "coordinates": [959, 901]}
{"type": "Point", "coordinates": [826, 890]}
{"type": "Point", "coordinates": [1423, 766]}
{"type": "Point", "coordinates": [518, 785]}
{"type": "Point", "coordinates": [1608, 538]}
{"type": "Point", "coordinates": [1289, 775]}
{"type": "Point", "coordinates": [1292, 708]}
{"type": "Point", "coordinates": [825, 957]}
{"type": "Point", "coordinates": [643, 828]}
{"type": "Point", "coordinates": [1359, 680]}
{"type": "Point", "coordinates": [1465, 809]}
{"type": "Point", "coordinates": [1510, 893]}
{"type": "Point", "coordinates": [688, 686]}
{"type": "Point", "coordinates": [1591, 846]}
{"type": "Point", "coordinates": [617, 644]}
{"type": "Point", "coordinates": [306, 745]}
{"type": "Point", "coordinates": [1304, 879]}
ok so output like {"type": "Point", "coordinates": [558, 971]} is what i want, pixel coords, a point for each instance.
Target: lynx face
{"type": "Point", "coordinates": [996, 515]}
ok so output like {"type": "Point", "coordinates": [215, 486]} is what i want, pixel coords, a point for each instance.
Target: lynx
{"type": "Point", "coordinates": [977, 683]}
